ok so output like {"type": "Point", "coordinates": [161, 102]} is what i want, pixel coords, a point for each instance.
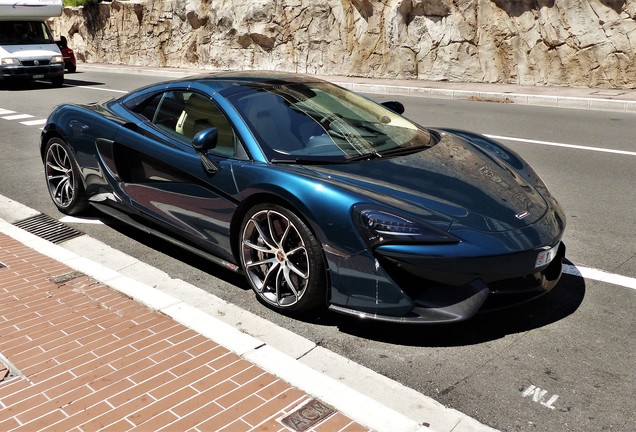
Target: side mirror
{"type": "Point", "coordinates": [205, 140]}
{"type": "Point", "coordinates": [394, 106]}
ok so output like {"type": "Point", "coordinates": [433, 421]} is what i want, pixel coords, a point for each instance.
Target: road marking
{"type": "Point", "coordinates": [555, 144]}
{"type": "Point", "coordinates": [538, 395]}
{"type": "Point", "coordinates": [34, 122]}
{"type": "Point", "coordinates": [100, 89]}
{"type": "Point", "coordinates": [600, 275]}
{"type": "Point", "coordinates": [83, 220]}
{"type": "Point", "coordinates": [6, 111]}
{"type": "Point", "coordinates": [18, 117]}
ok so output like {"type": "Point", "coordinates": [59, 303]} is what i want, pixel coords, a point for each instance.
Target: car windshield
{"type": "Point", "coordinates": [321, 122]}
{"type": "Point", "coordinates": [24, 33]}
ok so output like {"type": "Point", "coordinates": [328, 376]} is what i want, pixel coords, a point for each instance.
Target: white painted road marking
{"type": "Point", "coordinates": [6, 111]}
{"type": "Point", "coordinates": [600, 275]}
{"type": "Point", "coordinates": [555, 144]}
{"type": "Point", "coordinates": [539, 395]}
{"type": "Point", "coordinates": [83, 220]}
{"type": "Point", "coordinates": [18, 117]}
{"type": "Point", "coordinates": [100, 89]}
{"type": "Point", "coordinates": [34, 122]}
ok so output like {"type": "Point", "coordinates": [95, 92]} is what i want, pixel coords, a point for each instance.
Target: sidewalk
{"type": "Point", "coordinates": [79, 356]}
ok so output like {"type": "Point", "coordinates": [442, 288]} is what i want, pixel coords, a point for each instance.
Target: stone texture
{"type": "Point", "coordinates": [535, 42]}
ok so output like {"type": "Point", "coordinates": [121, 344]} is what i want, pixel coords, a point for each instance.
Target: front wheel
{"type": "Point", "coordinates": [62, 178]}
{"type": "Point", "coordinates": [283, 260]}
{"type": "Point", "coordinates": [57, 81]}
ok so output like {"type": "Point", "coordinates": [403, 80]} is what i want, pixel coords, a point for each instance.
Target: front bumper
{"type": "Point", "coordinates": [444, 290]}
{"type": "Point", "coordinates": [32, 72]}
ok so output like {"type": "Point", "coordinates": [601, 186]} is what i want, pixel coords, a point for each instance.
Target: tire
{"type": "Point", "coordinates": [62, 178]}
{"type": "Point", "coordinates": [283, 260]}
{"type": "Point", "coordinates": [58, 81]}
{"type": "Point", "coordinates": [71, 68]}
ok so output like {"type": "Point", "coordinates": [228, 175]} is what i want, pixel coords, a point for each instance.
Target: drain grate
{"type": "Point", "coordinates": [48, 228]}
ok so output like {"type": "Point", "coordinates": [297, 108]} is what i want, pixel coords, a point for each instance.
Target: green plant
{"type": "Point", "coordinates": [80, 2]}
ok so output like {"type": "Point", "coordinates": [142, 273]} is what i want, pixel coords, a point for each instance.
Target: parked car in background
{"type": "Point", "coordinates": [27, 48]}
{"type": "Point", "coordinates": [70, 64]}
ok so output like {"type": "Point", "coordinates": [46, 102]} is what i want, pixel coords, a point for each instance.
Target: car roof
{"type": "Point", "coordinates": [255, 77]}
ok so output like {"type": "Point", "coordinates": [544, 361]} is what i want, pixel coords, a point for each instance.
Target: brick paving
{"type": "Point", "coordinates": [77, 356]}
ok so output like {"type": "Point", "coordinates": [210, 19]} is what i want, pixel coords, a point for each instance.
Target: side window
{"type": "Point", "coordinates": [183, 114]}
{"type": "Point", "coordinates": [163, 110]}
{"type": "Point", "coordinates": [199, 114]}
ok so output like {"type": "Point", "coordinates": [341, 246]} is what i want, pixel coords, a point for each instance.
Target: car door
{"type": "Point", "coordinates": [163, 176]}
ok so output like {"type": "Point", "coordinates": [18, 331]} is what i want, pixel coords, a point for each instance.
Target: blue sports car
{"type": "Point", "coordinates": [319, 196]}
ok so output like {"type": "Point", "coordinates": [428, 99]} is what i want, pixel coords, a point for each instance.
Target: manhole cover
{"type": "Point", "coordinates": [307, 416]}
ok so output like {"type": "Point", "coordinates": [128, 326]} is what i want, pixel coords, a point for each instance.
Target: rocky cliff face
{"type": "Point", "coordinates": [535, 42]}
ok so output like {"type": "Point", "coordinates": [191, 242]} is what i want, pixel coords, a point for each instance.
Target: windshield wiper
{"type": "Point", "coordinates": [307, 161]}
{"type": "Point", "coordinates": [365, 156]}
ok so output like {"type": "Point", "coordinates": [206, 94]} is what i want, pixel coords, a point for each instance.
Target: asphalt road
{"type": "Point", "coordinates": [562, 363]}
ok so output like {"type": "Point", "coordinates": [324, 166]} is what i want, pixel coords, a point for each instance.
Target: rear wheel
{"type": "Point", "coordinates": [62, 178]}
{"type": "Point", "coordinates": [283, 260]}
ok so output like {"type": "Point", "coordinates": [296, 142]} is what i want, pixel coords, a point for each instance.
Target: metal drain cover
{"type": "Point", "coordinates": [307, 416]}
{"type": "Point", "coordinates": [48, 228]}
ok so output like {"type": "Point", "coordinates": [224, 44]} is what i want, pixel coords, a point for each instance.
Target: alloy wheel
{"type": "Point", "coordinates": [59, 175]}
{"type": "Point", "coordinates": [275, 258]}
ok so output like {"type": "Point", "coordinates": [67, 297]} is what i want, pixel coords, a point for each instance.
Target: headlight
{"type": "Point", "coordinates": [10, 61]}
{"type": "Point", "coordinates": [378, 226]}
{"type": "Point", "coordinates": [57, 59]}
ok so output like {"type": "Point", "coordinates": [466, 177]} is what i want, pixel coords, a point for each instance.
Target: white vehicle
{"type": "Point", "coordinates": [27, 48]}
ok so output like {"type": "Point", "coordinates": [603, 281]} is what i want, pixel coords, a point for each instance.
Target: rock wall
{"type": "Point", "coordinates": [535, 42]}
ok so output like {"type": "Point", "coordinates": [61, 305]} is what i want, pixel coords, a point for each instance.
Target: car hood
{"type": "Point", "coordinates": [26, 52]}
{"type": "Point", "coordinates": [450, 183]}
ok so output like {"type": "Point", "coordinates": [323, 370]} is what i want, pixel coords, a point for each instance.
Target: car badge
{"type": "Point", "coordinates": [36, 62]}
{"type": "Point", "coordinates": [522, 215]}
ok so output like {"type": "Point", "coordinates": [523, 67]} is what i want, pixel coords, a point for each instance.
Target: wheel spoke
{"type": "Point", "coordinates": [296, 270]}
{"type": "Point", "coordinates": [258, 248]}
{"type": "Point", "coordinates": [60, 188]}
{"type": "Point", "coordinates": [290, 284]}
{"type": "Point", "coordinates": [262, 236]}
{"type": "Point", "coordinates": [268, 275]}
{"type": "Point", "coordinates": [267, 261]}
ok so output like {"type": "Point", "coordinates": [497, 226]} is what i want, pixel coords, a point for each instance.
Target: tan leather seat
{"type": "Point", "coordinates": [200, 114]}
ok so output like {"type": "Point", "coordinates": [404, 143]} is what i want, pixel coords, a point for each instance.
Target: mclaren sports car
{"type": "Point", "coordinates": [321, 197]}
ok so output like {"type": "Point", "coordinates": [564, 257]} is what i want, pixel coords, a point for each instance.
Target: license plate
{"type": "Point", "coordinates": [38, 76]}
{"type": "Point", "coordinates": [545, 257]}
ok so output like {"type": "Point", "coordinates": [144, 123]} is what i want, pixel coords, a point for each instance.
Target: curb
{"type": "Point", "coordinates": [365, 396]}
{"type": "Point", "coordinates": [439, 90]}
{"type": "Point", "coordinates": [598, 104]}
